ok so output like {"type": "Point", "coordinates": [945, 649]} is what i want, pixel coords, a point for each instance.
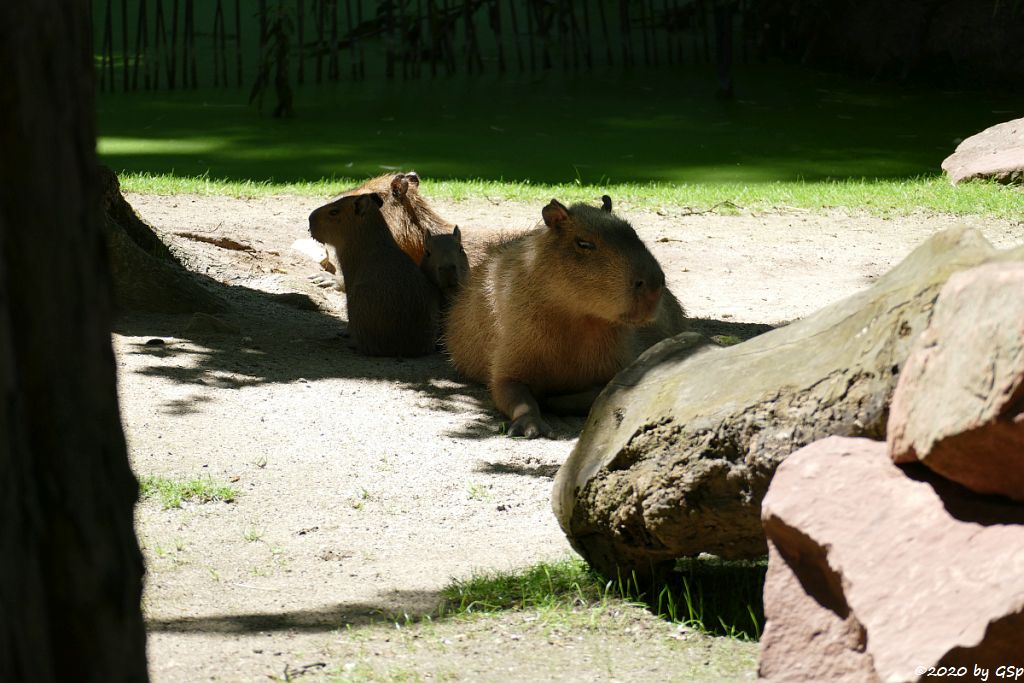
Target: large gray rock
{"type": "Point", "coordinates": [959, 403]}
{"type": "Point", "coordinates": [879, 573]}
{"type": "Point", "coordinates": [678, 451]}
{"type": "Point", "coordinates": [996, 153]}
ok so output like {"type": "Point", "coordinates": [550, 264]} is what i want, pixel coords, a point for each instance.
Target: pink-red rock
{"type": "Point", "coordinates": [878, 572]}
{"type": "Point", "coordinates": [959, 404]}
{"type": "Point", "coordinates": [996, 153]}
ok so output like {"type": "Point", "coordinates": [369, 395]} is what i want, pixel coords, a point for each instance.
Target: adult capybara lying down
{"type": "Point", "coordinates": [393, 310]}
{"type": "Point", "coordinates": [554, 314]}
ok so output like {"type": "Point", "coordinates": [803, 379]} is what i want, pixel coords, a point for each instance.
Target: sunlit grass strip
{"type": "Point", "coordinates": [547, 585]}
{"type": "Point", "coordinates": [716, 597]}
{"type": "Point", "coordinates": [879, 197]}
{"type": "Point", "coordinates": [173, 492]}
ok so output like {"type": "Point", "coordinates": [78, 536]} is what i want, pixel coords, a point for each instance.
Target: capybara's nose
{"type": "Point", "coordinates": [651, 281]}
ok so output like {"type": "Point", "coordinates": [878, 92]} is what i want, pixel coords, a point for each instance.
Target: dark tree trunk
{"type": "Point", "coordinates": [70, 567]}
{"type": "Point", "coordinates": [146, 275]}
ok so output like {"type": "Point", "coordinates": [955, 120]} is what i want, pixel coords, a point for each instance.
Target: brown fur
{"type": "Point", "coordinates": [392, 308]}
{"type": "Point", "coordinates": [557, 312]}
{"type": "Point", "coordinates": [408, 215]}
{"type": "Point", "coordinates": [445, 264]}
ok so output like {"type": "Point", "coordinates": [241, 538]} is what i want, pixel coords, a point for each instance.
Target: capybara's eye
{"type": "Point", "coordinates": [584, 244]}
{"type": "Point", "coordinates": [334, 212]}
{"type": "Point", "coordinates": [426, 252]}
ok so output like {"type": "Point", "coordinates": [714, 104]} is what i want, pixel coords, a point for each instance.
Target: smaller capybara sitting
{"type": "Point", "coordinates": [408, 215]}
{"type": "Point", "coordinates": [551, 316]}
{"type": "Point", "coordinates": [393, 310]}
{"type": "Point", "coordinates": [445, 263]}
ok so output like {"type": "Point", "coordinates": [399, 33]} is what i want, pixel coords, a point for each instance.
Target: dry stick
{"type": "Point", "coordinates": [238, 42]}
{"type": "Point", "coordinates": [334, 66]}
{"type": "Point", "coordinates": [515, 36]}
{"type": "Point", "coordinates": [222, 242]}
{"type": "Point", "coordinates": [351, 38]}
{"type": "Point", "coordinates": [604, 32]}
{"type": "Point", "coordinates": [300, 27]}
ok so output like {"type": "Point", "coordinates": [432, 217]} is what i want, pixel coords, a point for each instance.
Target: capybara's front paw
{"type": "Point", "coordinates": [529, 426]}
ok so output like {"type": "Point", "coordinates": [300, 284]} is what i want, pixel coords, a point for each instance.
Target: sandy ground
{"type": "Point", "coordinates": [366, 485]}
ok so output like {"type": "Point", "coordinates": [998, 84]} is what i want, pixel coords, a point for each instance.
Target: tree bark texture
{"type": "Point", "coordinates": [70, 566]}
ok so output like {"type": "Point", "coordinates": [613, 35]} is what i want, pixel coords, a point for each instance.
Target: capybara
{"type": "Point", "coordinates": [445, 263]}
{"type": "Point", "coordinates": [554, 314]}
{"type": "Point", "coordinates": [393, 310]}
{"type": "Point", "coordinates": [407, 213]}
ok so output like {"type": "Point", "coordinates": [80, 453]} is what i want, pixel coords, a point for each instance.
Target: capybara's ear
{"type": "Point", "coordinates": [365, 201]}
{"type": "Point", "coordinates": [555, 214]}
{"type": "Point", "coordinates": [399, 186]}
{"type": "Point", "coordinates": [413, 177]}
{"type": "Point", "coordinates": [606, 203]}
{"type": "Point", "coordinates": [457, 235]}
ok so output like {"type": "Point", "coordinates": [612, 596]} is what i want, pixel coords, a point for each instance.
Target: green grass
{"type": "Point", "coordinates": [793, 138]}
{"type": "Point", "coordinates": [173, 492]}
{"type": "Point", "coordinates": [711, 595]}
{"type": "Point", "coordinates": [879, 197]}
